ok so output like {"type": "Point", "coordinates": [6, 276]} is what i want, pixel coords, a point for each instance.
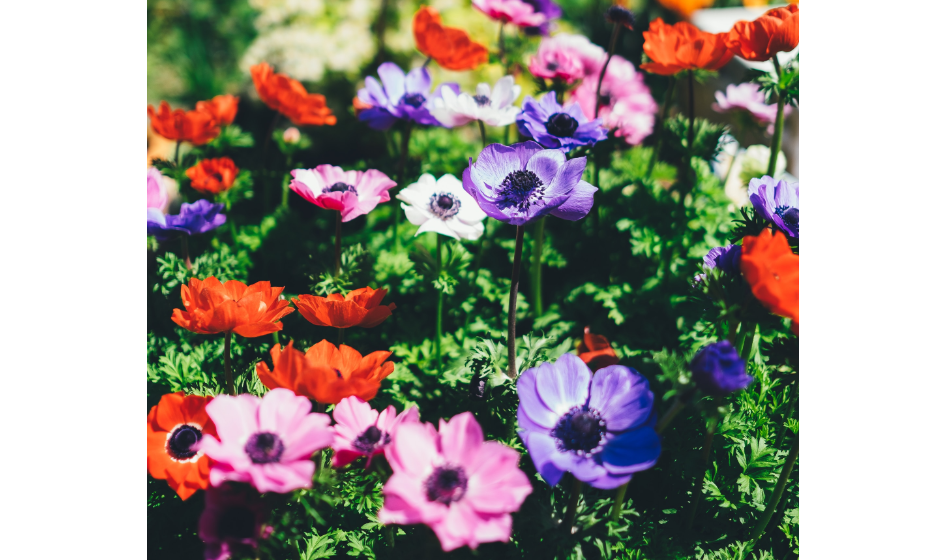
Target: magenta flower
{"type": "Point", "coordinates": [267, 443]}
{"type": "Point", "coordinates": [462, 487]}
{"type": "Point", "coordinates": [567, 57]}
{"type": "Point", "coordinates": [232, 521]}
{"type": "Point", "coordinates": [511, 11]}
{"type": "Point", "coordinates": [157, 190]}
{"type": "Point", "coordinates": [353, 193]}
{"type": "Point", "coordinates": [627, 104]}
{"type": "Point", "coordinates": [747, 97]}
{"type": "Point", "coordinates": [361, 431]}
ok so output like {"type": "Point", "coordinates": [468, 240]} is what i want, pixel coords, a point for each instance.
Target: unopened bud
{"type": "Point", "coordinates": [620, 16]}
{"type": "Point", "coordinates": [291, 135]}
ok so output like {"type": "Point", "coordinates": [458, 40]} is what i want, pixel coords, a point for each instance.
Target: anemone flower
{"type": "Point", "coordinates": [267, 443]}
{"type": "Point", "coordinates": [232, 522]}
{"type": "Point", "coordinates": [567, 57]}
{"type": "Point", "coordinates": [289, 97]}
{"type": "Point", "coordinates": [450, 47]}
{"type": "Point", "coordinates": [521, 14]}
{"type": "Point", "coordinates": [778, 201]}
{"type": "Point", "coordinates": [555, 126]}
{"type": "Point", "coordinates": [399, 97]}
{"type": "Point", "coordinates": [363, 432]}
{"type": "Point", "coordinates": [453, 481]}
{"type": "Point", "coordinates": [213, 175]}
{"type": "Point", "coordinates": [679, 47]}
{"type": "Point", "coordinates": [596, 351]}
{"type": "Point", "coordinates": [777, 30]}
{"type": "Point", "coordinates": [196, 127]}
{"type": "Point", "coordinates": [747, 97]}
{"type": "Point", "coordinates": [193, 219]}
{"type": "Point", "coordinates": [492, 106]}
{"type": "Point", "coordinates": [725, 259]}
{"type": "Point", "coordinates": [223, 107]}
{"type": "Point", "coordinates": [442, 206]}
{"type": "Point", "coordinates": [359, 308]}
{"type": "Point", "coordinates": [773, 271]}
{"type": "Point", "coordinates": [158, 199]}
{"type": "Point", "coordinates": [352, 193]}
{"type": "Point", "coordinates": [176, 424]}
{"type": "Point", "coordinates": [718, 370]}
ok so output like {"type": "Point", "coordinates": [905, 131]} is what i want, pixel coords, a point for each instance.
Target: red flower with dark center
{"type": "Point", "coordinates": [197, 127]}
{"type": "Point", "coordinates": [175, 427]}
{"type": "Point", "coordinates": [213, 175]}
{"type": "Point", "coordinates": [289, 97]}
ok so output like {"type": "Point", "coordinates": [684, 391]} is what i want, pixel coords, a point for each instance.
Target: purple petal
{"type": "Point", "coordinates": [546, 165]}
{"type": "Point", "coordinates": [564, 384]}
{"type": "Point", "coordinates": [608, 481]}
{"type": "Point", "coordinates": [542, 449]}
{"type": "Point", "coordinates": [493, 164]}
{"type": "Point", "coordinates": [532, 405]}
{"type": "Point", "coordinates": [393, 80]}
{"type": "Point", "coordinates": [418, 81]}
{"type": "Point", "coordinates": [377, 95]}
{"type": "Point", "coordinates": [578, 203]}
{"type": "Point", "coordinates": [568, 177]}
{"type": "Point", "coordinates": [632, 451]}
{"type": "Point", "coordinates": [622, 396]}
{"type": "Point", "coordinates": [548, 104]}
{"type": "Point", "coordinates": [377, 119]}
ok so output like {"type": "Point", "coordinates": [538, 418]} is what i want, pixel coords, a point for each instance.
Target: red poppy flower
{"type": "Point", "coordinates": [175, 425]}
{"type": "Point", "coordinates": [450, 47]}
{"type": "Point", "coordinates": [326, 373]}
{"type": "Point", "coordinates": [213, 175]}
{"type": "Point", "coordinates": [773, 272]}
{"type": "Point", "coordinates": [289, 97]}
{"type": "Point", "coordinates": [223, 107]}
{"type": "Point", "coordinates": [359, 309]}
{"type": "Point", "coordinates": [197, 127]}
{"type": "Point", "coordinates": [213, 307]}
{"type": "Point", "coordinates": [673, 48]}
{"type": "Point", "coordinates": [596, 351]}
{"type": "Point", "coordinates": [778, 30]}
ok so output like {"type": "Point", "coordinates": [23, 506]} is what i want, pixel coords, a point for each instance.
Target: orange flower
{"type": "Point", "coordinates": [175, 425]}
{"type": "Point", "coordinates": [326, 373]}
{"type": "Point", "coordinates": [223, 107]}
{"type": "Point", "coordinates": [213, 175]}
{"type": "Point", "coordinates": [673, 48]}
{"type": "Point", "coordinates": [773, 272]}
{"type": "Point", "coordinates": [197, 127]}
{"type": "Point", "coordinates": [450, 47]}
{"type": "Point", "coordinates": [596, 351]}
{"type": "Point", "coordinates": [687, 7]}
{"type": "Point", "coordinates": [778, 30]}
{"type": "Point", "coordinates": [282, 93]}
{"type": "Point", "coordinates": [360, 308]}
{"type": "Point", "coordinates": [213, 307]}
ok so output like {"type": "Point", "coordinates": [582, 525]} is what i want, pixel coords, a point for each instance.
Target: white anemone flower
{"type": "Point", "coordinates": [493, 106]}
{"type": "Point", "coordinates": [442, 206]}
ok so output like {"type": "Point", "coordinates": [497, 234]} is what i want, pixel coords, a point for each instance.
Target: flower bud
{"type": "Point", "coordinates": [620, 16]}
{"type": "Point", "coordinates": [291, 135]}
{"type": "Point", "coordinates": [718, 370]}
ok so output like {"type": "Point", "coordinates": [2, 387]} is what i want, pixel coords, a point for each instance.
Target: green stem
{"type": "Point", "coordinates": [184, 248]}
{"type": "Point", "coordinates": [569, 519]}
{"type": "Point", "coordinates": [659, 132]}
{"type": "Point", "coordinates": [698, 480]}
{"type": "Point", "coordinates": [337, 227]}
{"type": "Point", "coordinates": [340, 336]}
{"type": "Point", "coordinates": [400, 176]}
{"type": "Point", "coordinates": [537, 267]}
{"type": "Point", "coordinates": [748, 342]}
{"type": "Point", "coordinates": [229, 378]}
{"type": "Point", "coordinates": [501, 46]}
{"type": "Point", "coordinates": [439, 333]}
{"type": "Point", "coordinates": [778, 124]}
{"type": "Point", "coordinates": [176, 159]}
{"type": "Point", "coordinates": [618, 501]}
{"type": "Point", "coordinates": [600, 80]}
{"type": "Point", "coordinates": [482, 130]}
{"type": "Point", "coordinates": [771, 506]}
{"type": "Point", "coordinates": [512, 306]}
{"type": "Point", "coordinates": [790, 406]}
{"type": "Point", "coordinates": [673, 411]}
{"type": "Point", "coordinates": [690, 128]}
{"type": "Point", "coordinates": [284, 201]}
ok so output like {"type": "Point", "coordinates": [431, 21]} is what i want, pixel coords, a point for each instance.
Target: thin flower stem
{"type": "Point", "coordinates": [284, 201]}
{"type": "Point", "coordinates": [778, 124]}
{"type": "Point", "coordinates": [501, 46]}
{"type": "Point", "coordinates": [340, 336]}
{"type": "Point", "coordinates": [184, 248]}
{"type": "Point", "coordinates": [275, 337]}
{"type": "Point", "coordinates": [600, 80]}
{"type": "Point", "coordinates": [439, 332]}
{"type": "Point", "coordinates": [793, 402]}
{"type": "Point", "coordinates": [176, 158]}
{"type": "Point", "coordinates": [618, 502]}
{"type": "Point", "coordinates": [690, 125]}
{"type": "Point", "coordinates": [659, 132]}
{"type": "Point", "coordinates": [536, 271]}
{"type": "Point", "coordinates": [337, 227]}
{"type": "Point", "coordinates": [482, 130]}
{"type": "Point", "coordinates": [733, 329]}
{"type": "Point", "coordinates": [380, 33]}
{"type": "Point", "coordinates": [400, 177]}
{"type": "Point", "coordinates": [569, 519]}
{"type": "Point", "coordinates": [779, 488]}
{"type": "Point", "coordinates": [698, 480]}
{"type": "Point", "coordinates": [512, 306]}
{"type": "Point", "coordinates": [673, 411]}
{"type": "Point", "coordinates": [229, 378]}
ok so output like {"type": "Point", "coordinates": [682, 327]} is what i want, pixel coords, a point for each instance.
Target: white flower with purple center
{"type": "Point", "coordinates": [442, 206]}
{"type": "Point", "coordinates": [555, 126]}
{"type": "Point", "coordinates": [493, 106]}
{"type": "Point", "coordinates": [778, 201]}
{"type": "Point", "coordinates": [399, 97]}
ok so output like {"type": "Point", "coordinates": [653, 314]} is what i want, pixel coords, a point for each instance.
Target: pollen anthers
{"type": "Point", "coordinates": [447, 484]}
{"type": "Point", "coordinates": [561, 125]}
{"type": "Point", "coordinates": [444, 205]}
{"type": "Point", "coordinates": [580, 431]}
{"type": "Point", "coordinates": [371, 439]}
{"type": "Point", "coordinates": [182, 440]}
{"type": "Point", "coordinates": [521, 189]}
{"type": "Point", "coordinates": [339, 187]}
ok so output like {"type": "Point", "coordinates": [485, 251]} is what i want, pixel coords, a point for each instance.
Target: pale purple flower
{"type": "Point", "coordinates": [555, 126]}
{"type": "Point", "coordinates": [724, 258]}
{"type": "Point", "coordinates": [778, 201]}
{"type": "Point", "coordinates": [521, 183]}
{"type": "Point", "coordinates": [399, 97]}
{"type": "Point", "coordinates": [747, 97]}
{"type": "Point", "coordinates": [198, 217]}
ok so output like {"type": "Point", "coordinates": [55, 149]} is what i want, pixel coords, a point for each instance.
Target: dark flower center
{"type": "Point", "coordinates": [182, 440]}
{"type": "Point", "coordinates": [552, 66]}
{"type": "Point", "coordinates": [444, 205]}
{"type": "Point", "coordinates": [236, 523]}
{"type": "Point", "coordinates": [579, 430]}
{"type": "Point", "coordinates": [561, 125]}
{"type": "Point", "coordinates": [413, 99]}
{"type": "Point", "coordinates": [446, 485]}
{"type": "Point", "coordinates": [481, 100]}
{"type": "Point", "coordinates": [339, 187]}
{"type": "Point", "coordinates": [370, 439]}
{"type": "Point", "coordinates": [264, 447]}
{"type": "Point", "coordinates": [791, 217]}
{"type": "Point", "coordinates": [521, 188]}
{"type": "Point", "coordinates": [217, 176]}
{"type": "Point", "coordinates": [620, 15]}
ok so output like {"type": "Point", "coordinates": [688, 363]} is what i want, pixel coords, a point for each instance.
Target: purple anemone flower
{"type": "Point", "coordinates": [555, 126]}
{"type": "Point", "coordinates": [521, 183]}
{"type": "Point", "coordinates": [198, 217]}
{"type": "Point", "coordinates": [232, 521]}
{"type": "Point", "coordinates": [549, 9]}
{"type": "Point", "coordinates": [399, 97]}
{"type": "Point", "coordinates": [718, 370]}
{"type": "Point", "coordinates": [777, 201]}
{"type": "Point", "coordinates": [724, 258]}
{"type": "Point", "coordinates": [600, 427]}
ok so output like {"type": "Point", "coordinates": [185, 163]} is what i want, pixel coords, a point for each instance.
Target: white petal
{"type": "Point", "coordinates": [437, 225]}
{"type": "Point", "coordinates": [414, 215]}
{"type": "Point", "coordinates": [466, 231]}
{"type": "Point", "coordinates": [502, 95]}
{"type": "Point", "coordinates": [311, 179]}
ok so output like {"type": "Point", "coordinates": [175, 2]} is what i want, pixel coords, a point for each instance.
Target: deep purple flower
{"type": "Point", "coordinates": [555, 126]}
{"type": "Point", "coordinates": [198, 217]}
{"type": "Point", "coordinates": [621, 16]}
{"type": "Point", "coordinates": [599, 427]}
{"type": "Point", "coordinates": [399, 97]}
{"type": "Point", "coordinates": [777, 201]}
{"type": "Point", "coordinates": [724, 258]}
{"type": "Point", "coordinates": [718, 370]}
{"type": "Point", "coordinates": [546, 7]}
{"type": "Point", "coordinates": [521, 183]}
{"type": "Point", "coordinates": [232, 520]}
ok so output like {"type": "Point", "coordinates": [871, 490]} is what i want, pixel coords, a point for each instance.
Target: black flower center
{"type": "Point", "coordinates": [339, 187]}
{"type": "Point", "coordinates": [561, 125]}
{"type": "Point", "coordinates": [446, 485]}
{"type": "Point", "coordinates": [236, 523]}
{"type": "Point", "coordinates": [182, 440]}
{"type": "Point", "coordinates": [444, 205]}
{"type": "Point", "coordinates": [791, 217]}
{"type": "Point", "coordinates": [217, 176]}
{"type": "Point", "coordinates": [552, 66]}
{"type": "Point", "coordinates": [264, 447]}
{"type": "Point", "coordinates": [413, 99]}
{"type": "Point", "coordinates": [481, 100]}
{"type": "Point", "coordinates": [370, 439]}
{"type": "Point", "coordinates": [579, 430]}
{"type": "Point", "coordinates": [521, 189]}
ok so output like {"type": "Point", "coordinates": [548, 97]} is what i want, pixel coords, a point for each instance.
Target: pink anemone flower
{"type": "Point", "coordinates": [567, 57]}
{"type": "Point", "coordinates": [267, 443]}
{"type": "Point", "coordinates": [462, 487]}
{"type": "Point", "coordinates": [627, 104]}
{"type": "Point", "coordinates": [361, 431]}
{"type": "Point", "coordinates": [511, 11]}
{"type": "Point", "coordinates": [157, 190]}
{"type": "Point", "coordinates": [747, 97]}
{"type": "Point", "coordinates": [353, 193]}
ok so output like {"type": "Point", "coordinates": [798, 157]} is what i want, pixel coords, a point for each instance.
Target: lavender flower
{"type": "Point", "coordinates": [549, 9]}
{"type": "Point", "coordinates": [777, 201]}
{"type": "Point", "coordinates": [724, 258]}
{"type": "Point", "coordinates": [198, 217]}
{"type": "Point", "coordinates": [399, 97]}
{"type": "Point", "coordinates": [521, 183]}
{"type": "Point", "coordinates": [600, 428]}
{"type": "Point", "coordinates": [555, 126]}
{"type": "Point", "coordinates": [718, 370]}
